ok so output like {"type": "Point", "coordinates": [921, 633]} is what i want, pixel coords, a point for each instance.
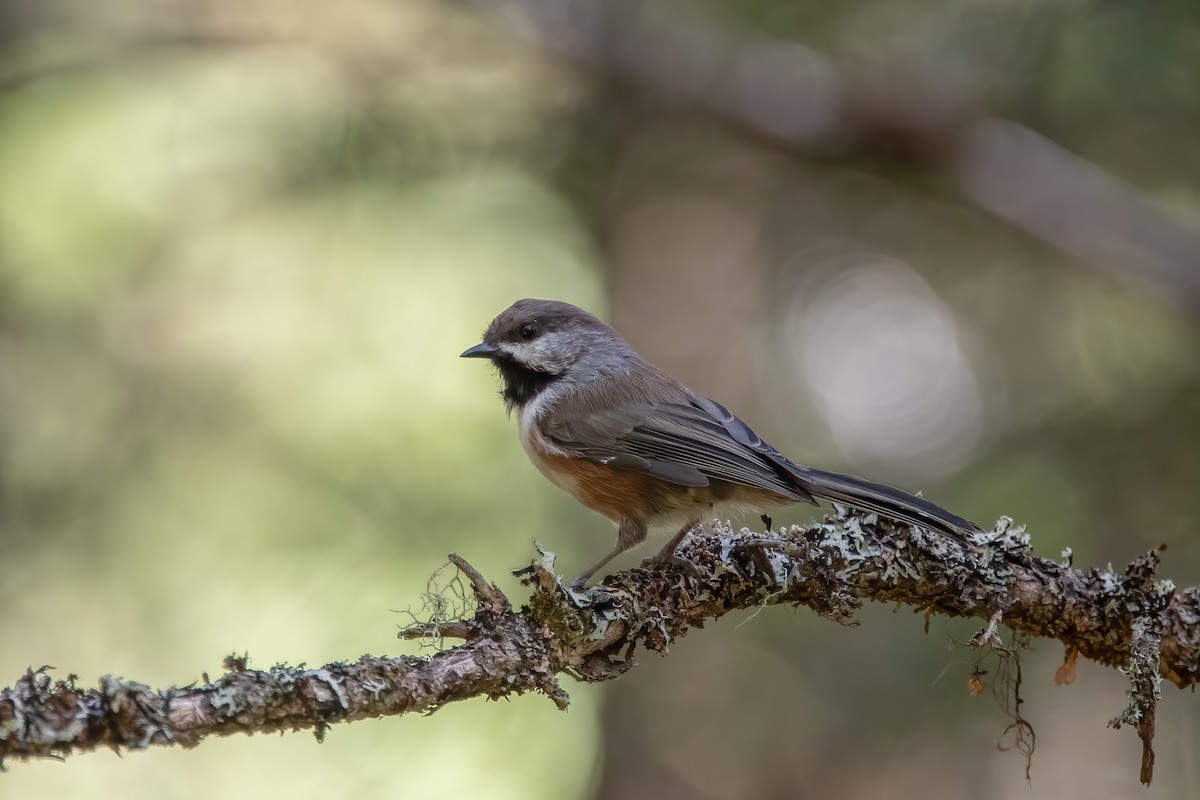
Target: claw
{"type": "Point", "coordinates": [675, 561]}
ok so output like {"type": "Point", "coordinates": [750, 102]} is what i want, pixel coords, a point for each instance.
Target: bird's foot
{"type": "Point", "coordinates": [673, 560]}
{"type": "Point", "coordinates": [766, 520]}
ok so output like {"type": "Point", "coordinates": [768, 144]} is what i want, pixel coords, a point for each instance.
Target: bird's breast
{"type": "Point", "coordinates": [545, 455]}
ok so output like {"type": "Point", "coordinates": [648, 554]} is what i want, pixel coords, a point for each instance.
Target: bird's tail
{"type": "Point", "coordinates": [887, 501]}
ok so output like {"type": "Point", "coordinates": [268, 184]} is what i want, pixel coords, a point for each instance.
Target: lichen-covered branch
{"type": "Point", "coordinates": [43, 717]}
{"type": "Point", "coordinates": [1133, 620]}
{"type": "Point", "coordinates": [1148, 601]}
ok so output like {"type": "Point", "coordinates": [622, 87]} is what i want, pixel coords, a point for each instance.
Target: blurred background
{"type": "Point", "coordinates": [950, 245]}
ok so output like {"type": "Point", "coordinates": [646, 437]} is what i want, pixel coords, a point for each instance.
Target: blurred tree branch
{"type": "Point", "coordinates": [792, 97]}
{"type": "Point", "coordinates": [795, 98]}
{"type": "Point", "coordinates": [1133, 620]}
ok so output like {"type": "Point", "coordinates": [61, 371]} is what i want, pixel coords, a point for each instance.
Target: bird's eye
{"type": "Point", "coordinates": [529, 330]}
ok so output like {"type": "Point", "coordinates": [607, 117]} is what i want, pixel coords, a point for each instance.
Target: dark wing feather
{"type": "Point", "coordinates": [848, 489]}
{"type": "Point", "coordinates": [676, 442]}
{"type": "Point", "coordinates": [669, 471]}
{"type": "Point", "coordinates": [689, 443]}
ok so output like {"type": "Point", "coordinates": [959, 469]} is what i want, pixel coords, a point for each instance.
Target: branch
{"type": "Point", "coordinates": [799, 100]}
{"type": "Point", "coordinates": [1134, 621]}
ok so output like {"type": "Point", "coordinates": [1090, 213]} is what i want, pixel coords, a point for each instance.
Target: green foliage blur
{"type": "Point", "coordinates": [241, 246]}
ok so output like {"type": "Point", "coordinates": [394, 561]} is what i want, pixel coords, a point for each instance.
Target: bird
{"type": "Point", "coordinates": [630, 442]}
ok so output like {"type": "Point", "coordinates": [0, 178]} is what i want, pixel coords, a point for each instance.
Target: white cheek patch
{"type": "Point", "coordinates": [515, 352]}
{"type": "Point", "coordinates": [545, 354]}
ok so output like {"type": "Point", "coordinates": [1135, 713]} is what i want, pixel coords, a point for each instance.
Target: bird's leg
{"type": "Point", "coordinates": [667, 554]}
{"type": "Point", "coordinates": [583, 577]}
{"type": "Point", "coordinates": [766, 518]}
{"type": "Point", "coordinates": [630, 533]}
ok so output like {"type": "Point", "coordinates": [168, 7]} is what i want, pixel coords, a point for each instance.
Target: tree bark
{"type": "Point", "coordinates": [1133, 620]}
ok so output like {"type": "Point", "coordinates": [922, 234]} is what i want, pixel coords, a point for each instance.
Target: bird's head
{"type": "Point", "coordinates": [535, 343]}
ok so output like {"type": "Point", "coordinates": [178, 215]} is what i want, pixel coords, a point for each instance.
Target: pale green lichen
{"type": "Point", "coordinates": [227, 699]}
{"type": "Point", "coordinates": [14, 725]}
{"type": "Point", "coordinates": [328, 678]}
{"type": "Point", "coordinates": [284, 675]}
{"type": "Point", "coordinates": [601, 619]}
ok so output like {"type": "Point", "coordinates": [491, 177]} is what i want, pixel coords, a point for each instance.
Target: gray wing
{"type": "Point", "coordinates": [690, 443]}
{"type": "Point", "coordinates": [849, 489]}
{"type": "Point", "coordinates": [685, 444]}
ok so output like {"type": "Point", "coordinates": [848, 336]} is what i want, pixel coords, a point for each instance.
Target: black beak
{"type": "Point", "coordinates": [483, 350]}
